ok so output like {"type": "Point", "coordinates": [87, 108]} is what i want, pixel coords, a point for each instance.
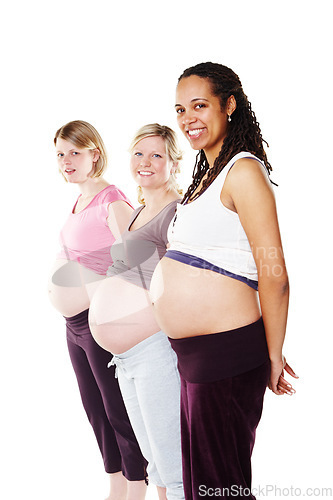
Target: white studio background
{"type": "Point", "coordinates": [116, 64]}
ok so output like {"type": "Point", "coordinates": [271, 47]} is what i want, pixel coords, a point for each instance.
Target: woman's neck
{"type": "Point", "coordinates": [212, 153]}
{"type": "Point", "coordinates": [91, 187]}
{"type": "Point", "coordinates": [157, 199]}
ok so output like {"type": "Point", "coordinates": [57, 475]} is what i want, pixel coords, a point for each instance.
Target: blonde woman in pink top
{"type": "Point", "coordinates": [99, 215]}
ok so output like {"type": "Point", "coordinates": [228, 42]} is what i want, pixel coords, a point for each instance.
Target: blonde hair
{"type": "Point", "coordinates": [85, 136]}
{"type": "Point", "coordinates": [171, 147]}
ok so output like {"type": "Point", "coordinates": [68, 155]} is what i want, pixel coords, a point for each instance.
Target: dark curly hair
{"type": "Point", "coordinates": [243, 131]}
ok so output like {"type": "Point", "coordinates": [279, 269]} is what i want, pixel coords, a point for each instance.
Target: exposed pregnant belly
{"type": "Point", "coordinates": [71, 287]}
{"type": "Point", "coordinates": [121, 315]}
{"type": "Point", "coordinates": [189, 301]}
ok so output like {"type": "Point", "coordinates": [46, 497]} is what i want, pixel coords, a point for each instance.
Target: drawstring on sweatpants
{"type": "Point", "coordinates": [113, 363]}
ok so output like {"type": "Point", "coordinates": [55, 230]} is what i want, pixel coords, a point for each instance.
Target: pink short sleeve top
{"type": "Point", "coordinates": [86, 237]}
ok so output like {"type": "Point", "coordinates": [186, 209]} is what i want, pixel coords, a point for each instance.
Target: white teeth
{"type": "Point", "coordinates": [145, 173]}
{"type": "Point", "coordinates": [69, 170]}
{"type": "Point", "coordinates": [195, 131]}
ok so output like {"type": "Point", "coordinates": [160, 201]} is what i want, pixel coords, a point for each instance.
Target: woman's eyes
{"type": "Point", "coordinates": [73, 153]}
{"type": "Point", "coordinates": [179, 111]}
{"type": "Point", "coordinates": [155, 155]}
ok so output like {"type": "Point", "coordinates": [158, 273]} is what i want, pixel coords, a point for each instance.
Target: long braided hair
{"type": "Point", "coordinates": [243, 133]}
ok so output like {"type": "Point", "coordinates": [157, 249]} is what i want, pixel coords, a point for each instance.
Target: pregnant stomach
{"type": "Point", "coordinates": [189, 301]}
{"type": "Point", "coordinates": [121, 315]}
{"type": "Point", "coordinates": [71, 287]}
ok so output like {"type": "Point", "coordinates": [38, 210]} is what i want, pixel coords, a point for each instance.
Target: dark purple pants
{"type": "Point", "coordinates": [223, 381]}
{"type": "Point", "coordinates": [103, 402]}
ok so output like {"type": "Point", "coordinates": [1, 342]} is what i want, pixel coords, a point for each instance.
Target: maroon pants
{"type": "Point", "coordinates": [223, 381]}
{"type": "Point", "coordinates": [103, 402]}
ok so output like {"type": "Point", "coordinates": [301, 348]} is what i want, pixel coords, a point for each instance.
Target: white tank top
{"type": "Point", "coordinates": [206, 229]}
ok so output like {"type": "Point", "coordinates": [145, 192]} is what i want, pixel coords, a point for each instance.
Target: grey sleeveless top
{"type": "Point", "coordinates": [136, 253]}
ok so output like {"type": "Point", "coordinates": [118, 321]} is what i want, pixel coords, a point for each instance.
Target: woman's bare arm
{"type": "Point", "coordinates": [253, 199]}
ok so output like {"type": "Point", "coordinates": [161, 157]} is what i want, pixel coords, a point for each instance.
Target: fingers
{"type": "Point", "coordinates": [290, 371]}
{"type": "Point", "coordinates": [276, 390]}
{"type": "Point", "coordinates": [273, 386]}
{"type": "Point", "coordinates": [277, 383]}
{"type": "Point", "coordinates": [281, 386]}
{"type": "Point", "coordinates": [284, 387]}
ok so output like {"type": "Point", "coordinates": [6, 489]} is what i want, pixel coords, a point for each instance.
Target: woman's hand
{"type": "Point", "coordinates": [277, 383]}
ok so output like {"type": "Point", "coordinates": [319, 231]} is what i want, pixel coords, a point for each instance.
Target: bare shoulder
{"type": "Point", "coordinates": [120, 205]}
{"type": "Point", "coordinates": [248, 170]}
{"type": "Point", "coordinates": [119, 216]}
{"type": "Point", "coordinates": [247, 181]}
{"type": "Point", "coordinates": [246, 178]}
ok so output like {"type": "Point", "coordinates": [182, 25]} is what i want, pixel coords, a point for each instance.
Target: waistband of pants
{"type": "Point", "coordinates": [138, 348]}
{"type": "Point", "coordinates": [78, 322]}
{"type": "Point", "coordinates": [216, 356]}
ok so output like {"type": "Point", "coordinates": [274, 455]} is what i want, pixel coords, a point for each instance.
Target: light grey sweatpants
{"type": "Point", "coordinates": [150, 385]}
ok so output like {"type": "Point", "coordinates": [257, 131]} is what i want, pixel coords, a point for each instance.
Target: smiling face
{"type": "Point", "coordinates": [76, 164]}
{"type": "Point", "coordinates": [151, 166]}
{"type": "Point", "coordinates": [200, 117]}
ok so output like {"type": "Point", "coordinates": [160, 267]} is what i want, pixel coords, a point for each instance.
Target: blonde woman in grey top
{"type": "Point", "coordinates": [121, 316]}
